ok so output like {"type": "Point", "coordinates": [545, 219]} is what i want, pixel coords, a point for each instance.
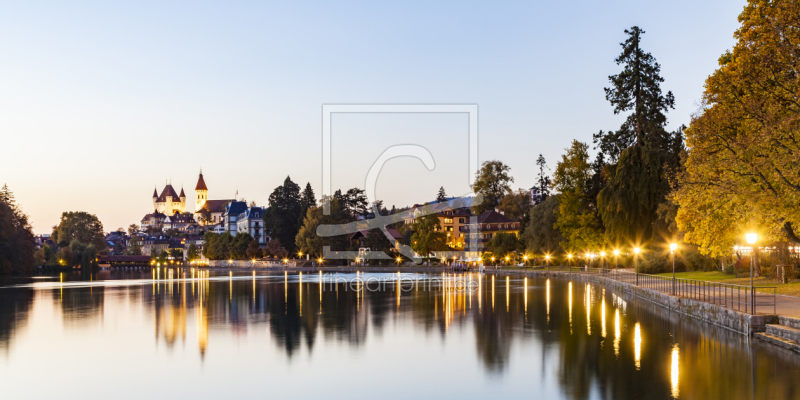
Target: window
{"type": "Point", "coordinates": [461, 220]}
{"type": "Point", "coordinates": [448, 220]}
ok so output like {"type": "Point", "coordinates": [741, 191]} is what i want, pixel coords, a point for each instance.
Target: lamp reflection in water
{"type": "Point", "coordinates": [616, 332]}
{"type": "Point", "coordinates": [301, 293]}
{"type": "Point", "coordinates": [526, 297]}
{"type": "Point", "coordinates": [588, 296]}
{"type": "Point", "coordinates": [547, 290]}
{"type": "Point", "coordinates": [603, 317]}
{"type": "Point", "coordinates": [674, 372]}
{"type": "Point", "coordinates": [492, 292]}
{"type": "Point", "coordinates": [508, 295]}
{"type": "Point", "coordinates": [637, 346]}
{"type": "Point", "coordinates": [480, 286]}
{"type": "Point", "coordinates": [570, 307]}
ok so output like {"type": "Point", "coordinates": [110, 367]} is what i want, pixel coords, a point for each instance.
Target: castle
{"type": "Point", "coordinates": [170, 207]}
{"type": "Point", "coordinates": [169, 202]}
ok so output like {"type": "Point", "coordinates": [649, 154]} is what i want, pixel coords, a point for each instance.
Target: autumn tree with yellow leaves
{"type": "Point", "coordinates": [742, 171]}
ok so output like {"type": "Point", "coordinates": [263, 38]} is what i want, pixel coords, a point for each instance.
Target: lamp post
{"type": "Point", "coordinates": [616, 254]}
{"type": "Point", "coordinates": [547, 261]}
{"type": "Point", "coordinates": [636, 264]}
{"type": "Point", "coordinates": [602, 259]}
{"type": "Point", "coordinates": [569, 261]}
{"type": "Point", "coordinates": [672, 247]}
{"type": "Point", "coordinates": [751, 239]}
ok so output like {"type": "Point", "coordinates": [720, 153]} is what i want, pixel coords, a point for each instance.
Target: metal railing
{"type": "Point", "coordinates": [734, 297]}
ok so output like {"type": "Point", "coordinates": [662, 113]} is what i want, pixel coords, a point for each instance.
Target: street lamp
{"type": "Point", "coordinates": [602, 258]}
{"type": "Point", "coordinates": [636, 263]}
{"type": "Point", "coordinates": [547, 261]}
{"type": "Point", "coordinates": [616, 254]}
{"type": "Point", "coordinates": [569, 260]}
{"type": "Point", "coordinates": [751, 239]}
{"type": "Point", "coordinates": [672, 248]}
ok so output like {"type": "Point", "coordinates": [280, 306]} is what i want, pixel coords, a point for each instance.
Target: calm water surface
{"type": "Point", "coordinates": [219, 335]}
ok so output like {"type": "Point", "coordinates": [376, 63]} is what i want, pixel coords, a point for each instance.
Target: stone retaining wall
{"type": "Point", "coordinates": [734, 320]}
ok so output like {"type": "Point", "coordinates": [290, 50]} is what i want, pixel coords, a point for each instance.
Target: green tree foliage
{"type": "Point", "coordinates": [238, 246]}
{"type": "Point", "coordinates": [176, 254]}
{"type": "Point", "coordinates": [628, 203]}
{"type": "Point", "coordinates": [492, 182]}
{"type": "Point", "coordinates": [441, 196]}
{"type": "Point", "coordinates": [16, 237]}
{"type": "Point", "coordinates": [191, 253]}
{"type": "Point", "coordinates": [503, 244]}
{"type": "Point", "coordinates": [64, 257]}
{"type": "Point", "coordinates": [576, 219]}
{"type": "Point", "coordinates": [307, 239]}
{"type": "Point", "coordinates": [516, 204]}
{"type": "Point", "coordinates": [83, 254]}
{"type": "Point", "coordinates": [428, 236]}
{"type": "Point", "coordinates": [80, 226]}
{"type": "Point", "coordinates": [541, 236]}
{"type": "Point", "coordinates": [741, 171]}
{"type": "Point", "coordinates": [281, 220]}
{"type": "Point", "coordinates": [211, 246]}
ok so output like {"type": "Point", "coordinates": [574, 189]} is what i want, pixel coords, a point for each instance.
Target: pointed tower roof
{"type": "Point", "coordinates": [201, 184]}
{"type": "Point", "coordinates": [182, 193]}
{"type": "Point", "coordinates": [155, 193]}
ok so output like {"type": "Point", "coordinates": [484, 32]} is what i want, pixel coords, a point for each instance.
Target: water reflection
{"type": "Point", "coordinates": [301, 314]}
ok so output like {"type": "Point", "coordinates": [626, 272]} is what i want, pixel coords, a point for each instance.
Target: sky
{"type": "Point", "coordinates": [100, 102]}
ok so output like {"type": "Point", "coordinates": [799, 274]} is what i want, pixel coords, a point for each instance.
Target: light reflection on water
{"type": "Point", "coordinates": [194, 333]}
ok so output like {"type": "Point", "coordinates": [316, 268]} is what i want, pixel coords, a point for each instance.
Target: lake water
{"type": "Point", "coordinates": [185, 334]}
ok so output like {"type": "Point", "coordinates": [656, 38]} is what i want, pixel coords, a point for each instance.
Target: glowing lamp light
{"type": "Point", "coordinates": [506, 258]}
{"type": "Point", "coordinates": [547, 256]}
{"type": "Point", "coordinates": [751, 238]}
{"type": "Point", "coordinates": [616, 252]}
{"type": "Point", "coordinates": [636, 250]}
{"type": "Point", "coordinates": [525, 258]}
{"type": "Point", "coordinates": [569, 256]}
{"type": "Point", "coordinates": [673, 246]}
{"type": "Point", "coordinates": [602, 254]}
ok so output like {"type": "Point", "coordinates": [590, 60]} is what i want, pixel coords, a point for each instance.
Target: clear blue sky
{"type": "Point", "coordinates": [100, 101]}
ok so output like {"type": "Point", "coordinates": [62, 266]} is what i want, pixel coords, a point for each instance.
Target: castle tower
{"type": "Point", "coordinates": [155, 197]}
{"type": "Point", "coordinates": [183, 200]}
{"type": "Point", "coordinates": [200, 192]}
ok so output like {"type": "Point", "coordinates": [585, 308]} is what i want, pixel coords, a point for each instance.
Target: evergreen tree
{"type": "Point", "coordinates": [355, 203]}
{"type": "Point", "coordinates": [638, 88]}
{"type": "Point", "coordinates": [637, 183]}
{"type": "Point", "coordinates": [542, 188]}
{"type": "Point", "coordinates": [441, 196]}
{"type": "Point", "coordinates": [282, 218]}
{"type": "Point", "coordinates": [16, 237]}
{"type": "Point", "coordinates": [307, 199]}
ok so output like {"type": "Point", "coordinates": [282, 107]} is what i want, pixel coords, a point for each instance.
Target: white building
{"type": "Point", "coordinates": [252, 222]}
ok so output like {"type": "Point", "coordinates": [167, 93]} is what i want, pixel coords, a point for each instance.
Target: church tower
{"type": "Point", "coordinates": [200, 193]}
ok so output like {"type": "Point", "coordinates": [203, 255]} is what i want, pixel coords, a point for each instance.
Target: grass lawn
{"type": "Point", "coordinates": [789, 289]}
